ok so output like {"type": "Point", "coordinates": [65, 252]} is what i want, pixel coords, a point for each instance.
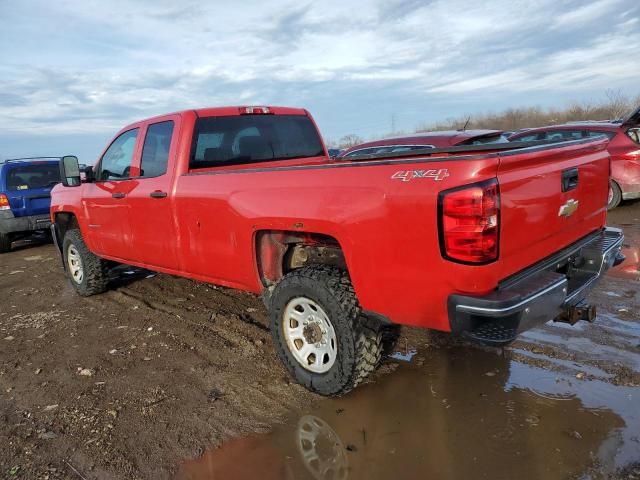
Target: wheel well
{"type": "Point", "coordinates": [279, 252]}
{"type": "Point", "coordinates": [64, 222]}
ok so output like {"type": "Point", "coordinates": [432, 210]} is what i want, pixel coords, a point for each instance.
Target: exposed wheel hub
{"type": "Point", "coordinates": [312, 333]}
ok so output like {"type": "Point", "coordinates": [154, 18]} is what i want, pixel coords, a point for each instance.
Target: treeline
{"type": "Point", "coordinates": [614, 106]}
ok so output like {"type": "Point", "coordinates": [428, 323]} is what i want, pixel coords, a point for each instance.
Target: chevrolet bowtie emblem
{"type": "Point", "coordinates": [568, 208]}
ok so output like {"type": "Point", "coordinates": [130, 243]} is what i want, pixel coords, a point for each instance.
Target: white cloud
{"type": "Point", "coordinates": [92, 66]}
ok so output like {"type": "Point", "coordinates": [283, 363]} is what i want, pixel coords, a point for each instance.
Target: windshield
{"type": "Point", "coordinates": [28, 177]}
{"type": "Point", "coordinates": [254, 138]}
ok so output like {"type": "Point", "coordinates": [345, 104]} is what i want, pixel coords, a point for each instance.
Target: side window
{"type": "Point", "coordinates": [116, 161]}
{"type": "Point", "coordinates": [155, 151]}
{"type": "Point", "coordinates": [563, 135]}
{"type": "Point", "coordinates": [593, 133]}
{"type": "Point", "coordinates": [421, 147]}
{"type": "Point", "coordinates": [553, 136]}
{"type": "Point", "coordinates": [527, 138]}
{"type": "Point", "coordinates": [363, 151]}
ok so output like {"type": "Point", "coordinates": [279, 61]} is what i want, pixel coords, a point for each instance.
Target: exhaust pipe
{"type": "Point", "coordinates": [574, 313]}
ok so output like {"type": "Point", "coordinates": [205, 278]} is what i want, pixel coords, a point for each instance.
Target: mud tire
{"type": "Point", "coordinates": [95, 269]}
{"type": "Point", "coordinates": [616, 195]}
{"type": "Point", "coordinates": [5, 243]}
{"type": "Point", "coordinates": [359, 339]}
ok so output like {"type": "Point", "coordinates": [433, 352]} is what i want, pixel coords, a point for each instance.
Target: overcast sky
{"type": "Point", "coordinates": [74, 72]}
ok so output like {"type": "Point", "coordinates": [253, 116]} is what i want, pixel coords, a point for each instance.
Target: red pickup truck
{"type": "Point", "coordinates": [484, 241]}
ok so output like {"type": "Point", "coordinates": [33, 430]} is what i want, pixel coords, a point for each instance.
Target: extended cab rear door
{"type": "Point", "coordinates": [150, 203]}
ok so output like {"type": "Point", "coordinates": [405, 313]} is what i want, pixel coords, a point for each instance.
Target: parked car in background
{"type": "Point", "coordinates": [624, 148]}
{"type": "Point", "coordinates": [25, 197]}
{"type": "Point", "coordinates": [333, 152]}
{"type": "Point", "coordinates": [419, 141]}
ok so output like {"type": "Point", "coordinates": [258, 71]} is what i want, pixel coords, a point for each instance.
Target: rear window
{"type": "Point", "coordinates": [29, 177]}
{"type": "Point", "coordinates": [253, 138]}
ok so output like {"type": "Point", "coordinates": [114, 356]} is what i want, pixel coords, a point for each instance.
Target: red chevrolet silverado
{"type": "Point", "coordinates": [484, 241]}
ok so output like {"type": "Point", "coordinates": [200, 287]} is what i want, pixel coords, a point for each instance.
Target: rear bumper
{"type": "Point", "coordinates": [11, 224]}
{"type": "Point", "coordinates": [545, 291]}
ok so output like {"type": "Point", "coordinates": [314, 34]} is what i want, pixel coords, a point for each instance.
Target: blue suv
{"type": "Point", "coordinates": [25, 197]}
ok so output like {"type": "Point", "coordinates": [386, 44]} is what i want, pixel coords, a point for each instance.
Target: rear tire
{"type": "Point", "coordinates": [5, 243]}
{"type": "Point", "coordinates": [329, 294]}
{"type": "Point", "coordinates": [87, 272]}
{"type": "Point", "coordinates": [615, 195]}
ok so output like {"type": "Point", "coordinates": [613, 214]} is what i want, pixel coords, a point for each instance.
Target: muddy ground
{"type": "Point", "coordinates": [163, 377]}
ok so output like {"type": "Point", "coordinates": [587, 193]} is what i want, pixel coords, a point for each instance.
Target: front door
{"type": "Point", "coordinates": [106, 200]}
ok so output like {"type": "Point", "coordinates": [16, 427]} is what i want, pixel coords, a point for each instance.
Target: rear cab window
{"type": "Point", "coordinates": [32, 176]}
{"type": "Point", "coordinates": [242, 139]}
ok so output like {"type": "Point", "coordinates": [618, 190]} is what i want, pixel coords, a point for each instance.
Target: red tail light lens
{"type": "Point", "coordinates": [4, 202]}
{"type": "Point", "coordinates": [470, 223]}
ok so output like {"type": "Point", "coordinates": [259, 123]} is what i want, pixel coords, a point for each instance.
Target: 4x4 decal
{"type": "Point", "coordinates": [406, 175]}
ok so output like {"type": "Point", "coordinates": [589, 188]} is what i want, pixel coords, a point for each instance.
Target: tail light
{"type": "Point", "coordinates": [633, 155]}
{"type": "Point", "coordinates": [469, 223]}
{"type": "Point", "coordinates": [4, 202]}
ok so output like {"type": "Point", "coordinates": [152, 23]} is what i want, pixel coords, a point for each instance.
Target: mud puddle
{"type": "Point", "coordinates": [450, 413]}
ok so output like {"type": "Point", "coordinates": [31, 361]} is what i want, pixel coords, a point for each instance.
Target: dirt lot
{"type": "Point", "coordinates": [150, 379]}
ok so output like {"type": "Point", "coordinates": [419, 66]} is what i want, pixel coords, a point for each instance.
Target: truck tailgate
{"type": "Point", "coordinates": [550, 197]}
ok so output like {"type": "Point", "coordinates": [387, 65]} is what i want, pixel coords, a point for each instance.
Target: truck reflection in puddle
{"type": "Point", "coordinates": [626, 218]}
{"type": "Point", "coordinates": [451, 413]}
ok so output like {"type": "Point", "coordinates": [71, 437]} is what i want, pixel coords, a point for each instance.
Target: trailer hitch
{"type": "Point", "coordinates": [574, 313]}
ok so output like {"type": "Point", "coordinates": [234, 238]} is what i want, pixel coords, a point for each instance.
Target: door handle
{"type": "Point", "coordinates": [569, 179]}
{"type": "Point", "coordinates": [118, 195]}
{"type": "Point", "coordinates": [158, 194]}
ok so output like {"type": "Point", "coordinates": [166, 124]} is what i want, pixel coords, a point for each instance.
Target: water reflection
{"type": "Point", "coordinates": [460, 414]}
{"type": "Point", "coordinates": [628, 218]}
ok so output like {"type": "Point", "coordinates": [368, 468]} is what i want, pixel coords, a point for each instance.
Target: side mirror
{"type": "Point", "coordinates": [70, 171]}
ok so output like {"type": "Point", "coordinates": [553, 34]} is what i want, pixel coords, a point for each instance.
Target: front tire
{"type": "Point", "coordinates": [5, 243]}
{"type": "Point", "coordinates": [87, 272]}
{"type": "Point", "coordinates": [318, 331]}
{"type": "Point", "coordinates": [615, 195]}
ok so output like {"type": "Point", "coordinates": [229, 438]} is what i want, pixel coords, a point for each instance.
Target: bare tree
{"type": "Point", "coordinates": [350, 140]}
{"type": "Point", "coordinates": [617, 103]}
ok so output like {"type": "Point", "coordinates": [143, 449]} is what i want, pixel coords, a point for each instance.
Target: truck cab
{"type": "Point", "coordinates": [25, 197]}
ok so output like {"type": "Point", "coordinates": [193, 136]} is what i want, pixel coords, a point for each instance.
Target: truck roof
{"type": "Point", "coordinates": [226, 112]}
{"type": "Point", "coordinates": [30, 160]}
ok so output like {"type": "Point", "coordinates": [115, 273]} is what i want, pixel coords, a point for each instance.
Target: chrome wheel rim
{"type": "Point", "coordinates": [75, 264]}
{"type": "Point", "coordinates": [610, 196]}
{"type": "Point", "coordinates": [310, 336]}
